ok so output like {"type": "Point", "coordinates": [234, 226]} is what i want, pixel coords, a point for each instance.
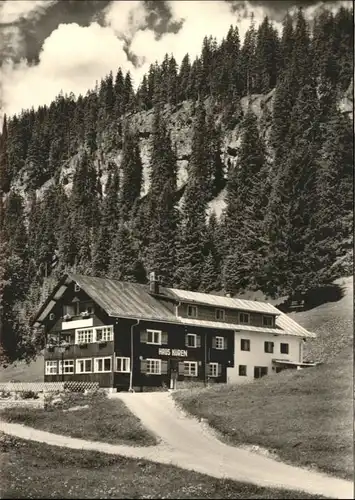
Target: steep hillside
{"type": "Point", "coordinates": [333, 322]}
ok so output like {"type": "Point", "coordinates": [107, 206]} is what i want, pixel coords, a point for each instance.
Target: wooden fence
{"type": "Point", "coordinates": [73, 386]}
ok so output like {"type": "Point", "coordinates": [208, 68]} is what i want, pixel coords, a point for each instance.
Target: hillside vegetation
{"type": "Point", "coordinates": [120, 182]}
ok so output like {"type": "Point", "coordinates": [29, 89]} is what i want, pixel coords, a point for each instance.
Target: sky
{"type": "Point", "coordinates": [48, 46]}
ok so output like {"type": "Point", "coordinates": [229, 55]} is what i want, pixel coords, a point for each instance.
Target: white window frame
{"type": "Point", "coordinates": [51, 364]}
{"type": "Point", "coordinates": [191, 315]}
{"type": "Point", "coordinates": [221, 347]}
{"type": "Point", "coordinates": [68, 363]}
{"type": "Point", "coordinates": [189, 364]}
{"type": "Point", "coordinates": [78, 360]}
{"type": "Point", "coordinates": [223, 314]}
{"type": "Point", "coordinates": [244, 322]}
{"type": "Point", "coordinates": [269, 318]}
{"type": "Point", "coordinates": [102, 358]}
{"type": "Point", "coordinates": [153, 332]}
{"type": "Point", "coordinates": [84, 336]}
{"type": "Point", "coordinates": [213, 370]}
{"type": "Point", "coordinates": [156, 363]}
{"type": "Point", "coordinates": [194, 335]}
{"type": "Point", "coordinates": [107, 334]}
{"type": "Point", "coordinates": [125, 363]}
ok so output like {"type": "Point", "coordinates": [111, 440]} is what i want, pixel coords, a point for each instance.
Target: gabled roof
{"type": "Point", "coordinates": [116, 298]}
{"type": "Point", "coordinates": [133, 300]}
{"type": "Point", "coordinates": [220, 301]}
{"type": "Point", "coordinates": [119, 298]}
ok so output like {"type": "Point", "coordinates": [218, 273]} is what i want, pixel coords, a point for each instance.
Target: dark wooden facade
{"type": "Point", "coordinates": [232, 316]}
{"type": "Point", "coordinates": [172, 352]}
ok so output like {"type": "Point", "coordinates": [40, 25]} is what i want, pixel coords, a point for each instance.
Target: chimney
{"type": "Point", "coordinates": [153, 283]}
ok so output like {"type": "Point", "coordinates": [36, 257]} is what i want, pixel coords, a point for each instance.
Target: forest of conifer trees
{"type": "Point", "coordinates": [287, 225]}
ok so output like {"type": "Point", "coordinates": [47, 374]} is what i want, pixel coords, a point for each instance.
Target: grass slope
{"type": "Point", "coordinates": [103, 420]}
{"type": "Point", "coordinates": [332, 322]}
{"type": "Point", "coordinates": [24, 372]}
{"type": "Point", "coordinates": [37, 470]}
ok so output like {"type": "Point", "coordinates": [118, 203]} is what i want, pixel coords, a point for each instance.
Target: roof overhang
{"type": "Point", "coordinates": [50, 302]}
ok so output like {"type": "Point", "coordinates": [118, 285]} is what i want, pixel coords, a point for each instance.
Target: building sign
{"type": "Point", "coordinates": [182, 353]}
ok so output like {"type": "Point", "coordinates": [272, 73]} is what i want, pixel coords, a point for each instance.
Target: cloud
{"type": "Point", "coordinates": [126, 18]}
{"type": "Point", "coordinates": [12, 16]}
{"type": "Point", "coordinates": [11, 11]}
{"type": "Point", "coordinates": [74, 57]}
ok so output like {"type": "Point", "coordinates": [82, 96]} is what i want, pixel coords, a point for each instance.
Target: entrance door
{"type": "Point", "coordinates": [174, 369]}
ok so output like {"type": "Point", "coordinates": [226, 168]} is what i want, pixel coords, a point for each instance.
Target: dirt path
{"type": "Point", "coordinates": [187, 444]}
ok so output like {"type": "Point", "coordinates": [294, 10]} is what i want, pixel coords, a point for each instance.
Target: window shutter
{"type": "Point", "coordinates": [143, 366]}
{"type": "Point", "coordinates": [181, 368]}
{"type": "Point", "coordinates": [219, 369]}
{"type": "Point", "coordinates": [226, 342]}
{"type": "Point", "coordinates": [164, 367]}
{"type": "Point", "coordinates": [144, 336]}
{"type": "Point", "coordinates": [186, 341]}
{"type": "Point", "coordinates": [164, 338]}
{"type": "Point", "coordinates": [198, 340]}
{"type": "Point", "coordinates": [213, 342]}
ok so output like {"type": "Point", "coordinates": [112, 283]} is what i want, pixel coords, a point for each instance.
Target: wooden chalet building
{"type": "Point", "coordinates": [130, 336]}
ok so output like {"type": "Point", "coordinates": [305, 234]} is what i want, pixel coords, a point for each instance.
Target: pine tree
{"type": "Point", "coordinates": [293, 199]}
{"type": "Point", "coordinates": [90, 121]}
{"type": "Point", "coordinates": [132, 171]}
{"type": "Point", "coordinates": [124, 262]}
{"type": "Point", "coordinates": [14, 228]}
{"type": "Point", "coordinates": [109, 224]}
{"type": "Point", "coordinates": [287, 42]}
{"type": "Point", "coordinates": [244, 213]}
{"type": "Point", "coordinates": [267, 57]}
{"type": "Point", "coordinates": [211, 274]}
{"type": "Point", "coordinates": [84, 204]}
{"type": "Point", "coordinates": [5, 177]}
{"type": "Point", "coordinates": [191, 238]}
{"type": "Point", "coordinates": [183, 79]}
{"type": "Point", "coordinates": [247, 60]}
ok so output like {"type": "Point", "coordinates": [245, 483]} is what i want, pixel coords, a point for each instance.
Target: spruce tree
{"type": "Point", "coordinates": [124, 262]}
{"type": "Point", "coordinates": [244, 212]}
{"type": "Point", "coordinates": [5, 176]}
{"type": "Point", "coordinates": [132, 172]}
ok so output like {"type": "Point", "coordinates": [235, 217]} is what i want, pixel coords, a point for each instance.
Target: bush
{"type": "Point", "coordinates": [28, 395]}
{"type": "Point", "coordinates": [5, 394]}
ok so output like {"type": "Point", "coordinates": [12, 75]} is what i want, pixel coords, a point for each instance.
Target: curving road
{"type": "Point", "coordinates": [186, 443]}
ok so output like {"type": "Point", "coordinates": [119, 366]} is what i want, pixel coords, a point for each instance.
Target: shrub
{"type": "Point", "coordinates": [5, 394]}
{"type": "Point", "coordinates": [28, 395]}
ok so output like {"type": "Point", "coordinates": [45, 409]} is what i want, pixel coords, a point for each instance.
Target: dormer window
{"type": "Point", "coordinates": [267, 321]}
{"type": "Point", "coordinates": [244, 318]}
{"type": "Point", "coordinates": [220, 314]}
{"type": "Point", "coordinates": [192, 311]}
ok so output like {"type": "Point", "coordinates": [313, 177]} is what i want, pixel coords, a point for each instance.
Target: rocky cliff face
{"type": "Point", "coordinates": [180, 121]}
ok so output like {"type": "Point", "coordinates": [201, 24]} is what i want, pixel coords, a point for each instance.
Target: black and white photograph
{"type": "Point", "coordinates": [176, 249]}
